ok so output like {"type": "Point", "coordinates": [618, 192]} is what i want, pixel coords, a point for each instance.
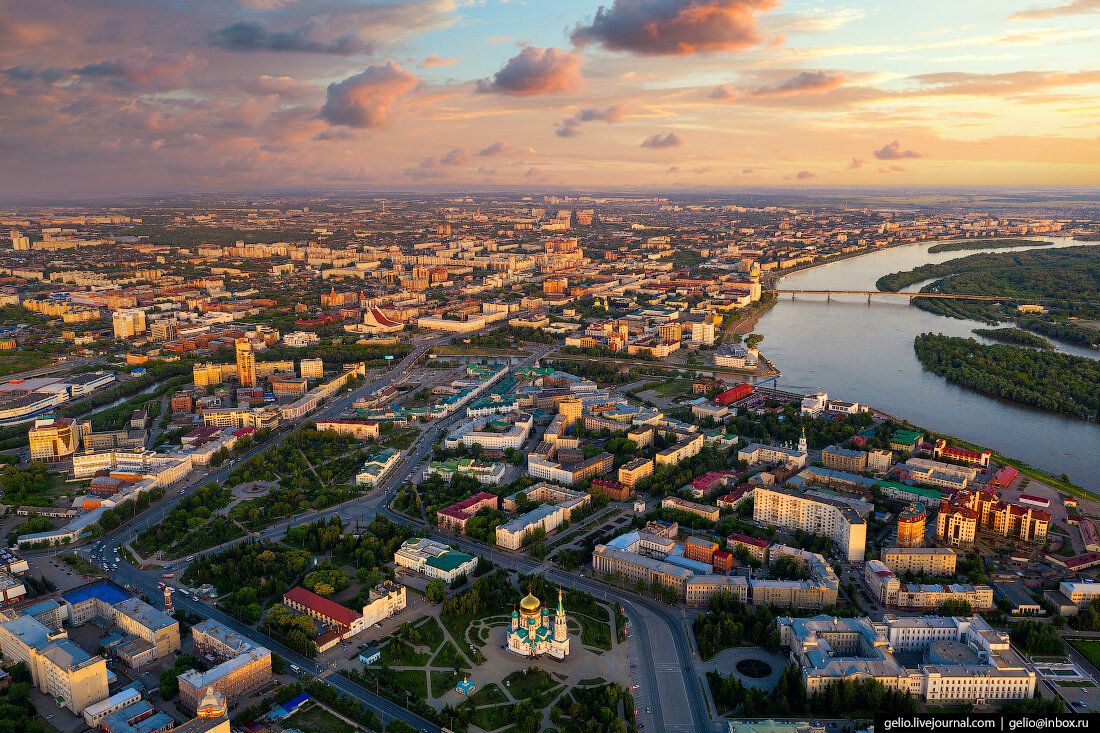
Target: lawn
{"type": "Point", "coordinates": [450, 658]}
{"type": "Point", "coordinates": [491, 694]}
{"type": "Point", "coordinates": [80, 565]}
{"type": "Point", "coordinates": [431, 634]}
{"type": "Point", "coordinates": [1090, 650]}
{"type": "Point", "coordinates": [19, 361]}
{"type": "Point", "coordinates": [399, 654]}
{"type": "Point", "coordinates": [443, 682]}
{"type": "Point", "coordinates": [492, 718]}
{"type": "Point", "coordinates": [318, 720]}
{"type": "Point", "coordinates": [413, 681]}
{"type": "Point", "coordinates": [594, 633]}
{"type": "Point", "coordinates": [524, 685]}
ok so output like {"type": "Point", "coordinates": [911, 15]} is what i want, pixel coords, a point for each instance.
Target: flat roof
{"type": "Point", "coordinates": [104, 590]}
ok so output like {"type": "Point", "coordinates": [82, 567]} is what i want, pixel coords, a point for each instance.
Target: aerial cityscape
{"type": "Point", "coordinates": [661, 365]}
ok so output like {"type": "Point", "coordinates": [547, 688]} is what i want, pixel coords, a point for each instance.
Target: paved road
{"type": "Point", "coordinates": [660, 647]}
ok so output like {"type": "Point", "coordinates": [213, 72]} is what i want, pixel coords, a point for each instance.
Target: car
{"type": "Point", "coordinates": [647, 710]}
{"type": "Point", "coordinates": [49, 717]}
{"type": "Point", "coordinates": [191, 558]}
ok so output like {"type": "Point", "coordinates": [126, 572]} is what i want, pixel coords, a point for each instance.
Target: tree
{"type": "Point", "coordinates": [436, 591]}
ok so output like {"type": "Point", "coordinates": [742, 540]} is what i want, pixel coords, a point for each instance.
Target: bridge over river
{"type": "Point", "coordinates": [944, 296]}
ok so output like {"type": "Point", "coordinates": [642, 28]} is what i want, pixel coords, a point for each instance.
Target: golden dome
{"type": "Point", "coordinates": [530, 604]}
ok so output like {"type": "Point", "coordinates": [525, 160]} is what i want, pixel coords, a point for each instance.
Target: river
{"type": "Point", "coordinates": [864, 353]}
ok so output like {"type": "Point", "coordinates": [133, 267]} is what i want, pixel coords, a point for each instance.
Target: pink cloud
{"type": "Point", "coordinates": [536, 71]}
{"type": "Point", "coordinates": [144, 67]}
{"type": "Point", "coordinates": [804, 82]}
{"type": "Point", "coordinates": [856, 164]}
{"type": "Point", "coordinates": [570, 126]}
{"type": "Point", "coordinates": [674, 27]}
{"type": "Point", "coordinates": [369, 99]}
{"type": "Point", "coordinates": [893, 151]}
{"type": "Point", "coordinates": [805, 175]}
{"type": "Point", "coordinates": [435, 60]}
{"type": "Point", "coordinates": [725, 92]}
{"type": "Point", "coordinates": [658, 141]}
{"type": "Point", "coordinates": [497, 148]}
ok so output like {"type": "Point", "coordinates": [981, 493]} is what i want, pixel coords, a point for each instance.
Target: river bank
{"type": "Point", "coordinates": [863, 352]}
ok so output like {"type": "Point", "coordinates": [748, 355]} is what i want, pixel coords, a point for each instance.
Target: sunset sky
{"type": "Point", "coordinates": [132, 96]}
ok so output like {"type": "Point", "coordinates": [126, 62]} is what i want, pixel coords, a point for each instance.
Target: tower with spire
{"type": "Point", "coordinates": [802, 442]}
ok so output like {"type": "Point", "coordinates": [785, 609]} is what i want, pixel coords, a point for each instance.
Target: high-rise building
{"type": "Point", "coordinates": [790, 508]}
{"type": "Point", "coordinates": [128, 323]}
{"type": "Point", "coordinates": [911, 523]}
{"type": "Point", "coordinates": [18, 242]}
{"type": "Point", "coordinates": [246, 363]}
{"type": "Point", "coordinates": [53, 439]}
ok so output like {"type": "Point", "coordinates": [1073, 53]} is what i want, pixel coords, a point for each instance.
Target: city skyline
{"type": "Point", "coordinates": [123, 97]}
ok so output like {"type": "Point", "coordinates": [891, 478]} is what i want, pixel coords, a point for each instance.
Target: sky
{"type": "Point", "coordinates": [150, 96]}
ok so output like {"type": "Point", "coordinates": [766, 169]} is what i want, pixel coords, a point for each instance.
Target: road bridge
{"type": "Point", "coordinates": [941, 296]}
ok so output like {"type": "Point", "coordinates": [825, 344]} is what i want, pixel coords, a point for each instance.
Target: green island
{"type": "Point", "coordinates": [968, 244]}
{"type": "Point", "coordinates": [1065, 280]}
{"type": "Point", "coordinates": [1072, 333]}
{"type": "Point", "coordinates": [1016, 336]}
{"type": "Point", "coordinates": [1049, 381]}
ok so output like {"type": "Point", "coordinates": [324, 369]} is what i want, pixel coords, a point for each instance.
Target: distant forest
{"type": "Point", "coordinates": [1066, 280]}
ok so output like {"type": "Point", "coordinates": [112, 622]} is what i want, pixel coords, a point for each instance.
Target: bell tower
{"type": "Point", "coordinates": [561, 628]}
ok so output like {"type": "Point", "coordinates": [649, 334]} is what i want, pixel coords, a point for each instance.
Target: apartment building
{"type": "Point", "coordinates": [58, 667]}
{"type": "Point", "coordinates": [928, 560]}
{"type": "Point", "coordinates": [756, 548]}
{"type": "Point", "coordinates": [843, 459]}
{"type": "Point", "coordinates": [705, 511]}
{"type": "Point", "coordinates": [456, 515]}
{"type": "Point", "coordinates": [242, 666]}
{"type": "Point", "coordinates": [634, 471]}
{"type": "Point", "coordinates": [686, 447]}
{"type": "Point", "coordinates": [792, 509]}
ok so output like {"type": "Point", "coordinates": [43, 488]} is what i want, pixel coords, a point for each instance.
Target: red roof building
{"type": "Point", "coordinates": [330, 613]}
{"type": "Point", "coordinates": [456, 514]}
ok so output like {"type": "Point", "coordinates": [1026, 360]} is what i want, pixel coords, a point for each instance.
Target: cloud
{"type": "Point", "coordinates": [143, 67]}
{"type": "Point", "coordinates": [456, 157]}
{"type": "Point", "coordinates": [673, 169]}
{"type": "Point", "coordinates": [434, 60]}
{"type": "Point", "coordinates": [804, 82]}
{"type": "Point", "coordinates": [497, 148]}
{"type": "Point", "coordinates": [1078, 7]}
{"type": "Point", "coordinates": [746, 171]}
{"type": "Point", "coordinates": [244, 36]}
{"type": "Point", "coordinates": [570, 126]}
{"type": "Point", "coordinates": [804, 175]}
{"type": "Point", "coordinates": [856, 164]}
{"type": "Point", "coordinates": [668, 140]}
{"type": "Point", "coordinates": [817, 20]}
{"type": "Point", "coordinates": [674, 27]}
{"type": "Point", "coordinates": [725, 92]}
{"type": "Point", "coordinates": [893, 151]}
{"type": "Point", "coordinates": [536, 71]}
{"type": "Point", "coordinates": [284, 86]}
{"type": "Point", "coordinates": [1012, 82]}
{"type": "Point", "coordinates": [369, 99]}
